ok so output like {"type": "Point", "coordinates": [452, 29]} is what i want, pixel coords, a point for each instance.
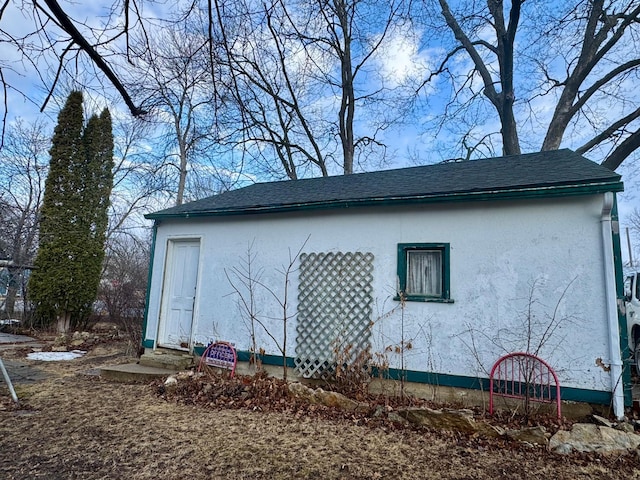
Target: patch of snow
{"type": "Point", "coordinates": [55, 356]}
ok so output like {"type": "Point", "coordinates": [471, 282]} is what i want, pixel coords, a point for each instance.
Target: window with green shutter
{"type": "Point", "coordinates": [423, 272]}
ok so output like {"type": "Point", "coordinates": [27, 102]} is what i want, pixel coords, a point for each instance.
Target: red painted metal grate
{"type": "Point", "coordinates": [524, 376]}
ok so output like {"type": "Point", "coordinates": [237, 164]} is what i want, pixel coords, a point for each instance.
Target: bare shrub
{"type": "Point", "coordinates": [350, 373]}
{"type": "Point", "coordinates": [121, 295]}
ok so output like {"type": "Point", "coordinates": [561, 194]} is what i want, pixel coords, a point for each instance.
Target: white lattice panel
{"type": "Point", "coordinates": [335, 305]}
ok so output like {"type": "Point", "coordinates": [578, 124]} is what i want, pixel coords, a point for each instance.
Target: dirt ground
{"type": "Point", "coordinates": [74, 425]}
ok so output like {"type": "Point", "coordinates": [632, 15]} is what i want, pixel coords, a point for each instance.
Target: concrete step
{"type": "Point", "coordinates": [134, 373]}
{"type": "Point", "coordinates": [167, 360]}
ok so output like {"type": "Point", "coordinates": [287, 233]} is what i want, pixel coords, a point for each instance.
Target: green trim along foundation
{"type": "Point", "coordinates": [438, 379]}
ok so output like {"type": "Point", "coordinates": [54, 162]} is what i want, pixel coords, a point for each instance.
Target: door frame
{"type": "Point", "coordinates": [167, 273]}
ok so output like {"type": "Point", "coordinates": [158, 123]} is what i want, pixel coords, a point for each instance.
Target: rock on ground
{"type": "Point", "coordinates": [586, 437]}
{"type": "Point", "coordinates": [319, 396]}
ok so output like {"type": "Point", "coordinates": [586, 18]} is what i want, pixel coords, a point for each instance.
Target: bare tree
{"type": "Point", "coordinates": [23, 169]}
{"type": "Point", "coordinates": [268, 90]}
{"type": "Point", "coordinates": [138, 183]}
{"type": "Point", "coordinates": [298, 74]}
{"type": "Point", "coordinates": [580, 55]}
{"type": "Point", "coordinates": [246, 280]}
{"type": "Point", "coordinates": [123, 285]}
{"type": "Point", "coordinates": [97, 47]}
{"type": "Point", "coordinates": [174, 79]}
{"type": "Point", "coordinates": [57, 45]}
{"type": "Point", "coordinates": [355, 30]}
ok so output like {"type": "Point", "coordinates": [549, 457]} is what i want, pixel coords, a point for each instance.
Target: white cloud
{"type": "Point", "coordinates": [399, 59]}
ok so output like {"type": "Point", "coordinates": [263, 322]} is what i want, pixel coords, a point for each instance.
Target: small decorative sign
{"type": "Point", "coordinates": [221, 355]}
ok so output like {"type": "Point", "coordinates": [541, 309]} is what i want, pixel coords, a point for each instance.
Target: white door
{"type": "Point", "coordinates": [179, 294]}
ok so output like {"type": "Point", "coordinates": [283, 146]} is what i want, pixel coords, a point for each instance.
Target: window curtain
{"type": "Point", "coordinates": [424, 273]}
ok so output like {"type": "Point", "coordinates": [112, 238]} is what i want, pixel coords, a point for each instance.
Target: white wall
{"type": "Point", "coordinates": [499, 251]}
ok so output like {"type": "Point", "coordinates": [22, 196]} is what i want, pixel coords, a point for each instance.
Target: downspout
{"type": "Point", "coordinates": [617, 389]}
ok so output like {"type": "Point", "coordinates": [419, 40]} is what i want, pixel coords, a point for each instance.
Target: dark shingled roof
{"type": "Point", "coordinates": [553, 173]}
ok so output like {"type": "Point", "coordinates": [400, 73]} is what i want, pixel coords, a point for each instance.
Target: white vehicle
{"type": "Point", "coordinates": [632, 305]}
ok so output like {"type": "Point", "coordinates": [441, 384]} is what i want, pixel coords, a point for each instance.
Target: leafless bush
{"type": "Point", "coordinates": [539, 332]}
{"type": "Point", "coordinates": [350, 372]}
{"type": "Point", "coordinates": [244, 285]}
{"type": "Point", "coordinates": [121, 295]}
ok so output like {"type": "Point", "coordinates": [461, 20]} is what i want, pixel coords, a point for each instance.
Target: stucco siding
{"type": "Point", "coordinates": [528, 265]}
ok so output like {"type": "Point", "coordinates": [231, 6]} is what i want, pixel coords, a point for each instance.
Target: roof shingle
{"type": "Point", "coordinates": [554, 171]}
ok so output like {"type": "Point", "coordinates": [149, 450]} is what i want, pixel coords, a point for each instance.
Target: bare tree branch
{"type": "Point", "coordinates": [80, 40]}
{"type": "Point", "coordinates": [622, 151]}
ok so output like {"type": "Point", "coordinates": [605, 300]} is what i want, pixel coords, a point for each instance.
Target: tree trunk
{"type": "Point", "coordinates": [502, 100]}
{"type": "Point", "coordinates": [64, 322]}
{"type": "Point", "coordinates": [347, 106]}
{"type": "Point", "coordinates": [183, 172]}
{"type": "Point", "coordinates": [509, 131]}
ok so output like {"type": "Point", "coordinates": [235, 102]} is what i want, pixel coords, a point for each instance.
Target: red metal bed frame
{"type": "Point", "coordinates": [524, 376]}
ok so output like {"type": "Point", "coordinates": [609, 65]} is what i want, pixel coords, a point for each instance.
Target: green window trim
{"type": "Point", "coordinates": [403, 249]}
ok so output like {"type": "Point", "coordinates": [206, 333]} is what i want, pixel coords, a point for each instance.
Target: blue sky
{"type": "Point", "coordinates": [404, 57]}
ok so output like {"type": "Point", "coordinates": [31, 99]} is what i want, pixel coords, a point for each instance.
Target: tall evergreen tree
{"type": "Point", "coordinates": [73, 221]}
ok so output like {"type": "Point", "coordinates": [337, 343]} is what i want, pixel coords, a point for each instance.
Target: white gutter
{"type": "Point", "coordinates": [612, 310]}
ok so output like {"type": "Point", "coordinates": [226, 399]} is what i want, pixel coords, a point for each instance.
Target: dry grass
{"type": "Point", "coordinates": [76, 426]}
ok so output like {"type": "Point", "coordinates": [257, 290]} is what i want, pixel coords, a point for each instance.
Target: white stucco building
{"type": "Point", "coordinates": [435, 271]}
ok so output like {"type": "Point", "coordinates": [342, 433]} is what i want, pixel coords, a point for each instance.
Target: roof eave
{"type": "Point", "coordinates": [467, 196]}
